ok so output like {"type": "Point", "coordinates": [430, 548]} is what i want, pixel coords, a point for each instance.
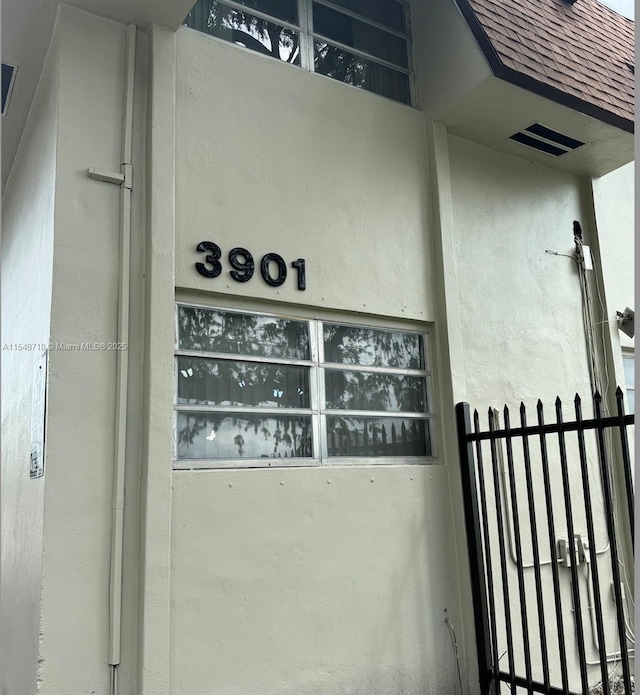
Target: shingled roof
{"type": "Point", "coordinates": [581, 54]}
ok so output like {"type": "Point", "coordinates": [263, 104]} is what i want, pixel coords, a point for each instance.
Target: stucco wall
{"type": "Point", "coordinates": [318, 580]}
{"type": "Point", "coordinates": [77, 516]}
{"type": "Point", "coordinates": [273, 158]}
{"type": "Point", "coordinates": [522, 338]}
{"type": "Point", "coordinates": [309, 580]}
{"type": "Point", "coordinates": [27, 247]}
{"type": "Point", "coordinates": [312, 581]}
{"type": "Point", "coordinates": [520, 306]}
{"type": "Point", "coordinates": [449, 62]}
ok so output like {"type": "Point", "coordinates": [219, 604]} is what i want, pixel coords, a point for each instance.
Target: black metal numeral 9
{"type": "Point", "coordinates": [212, 258]}
{"type": "Point", "coordinates": [282, 269]}
{"type": "Point", "coordinates": [243, 270]}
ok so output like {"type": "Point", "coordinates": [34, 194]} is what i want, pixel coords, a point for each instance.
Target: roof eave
{"type": "Point", "coordinates": [529, 83]}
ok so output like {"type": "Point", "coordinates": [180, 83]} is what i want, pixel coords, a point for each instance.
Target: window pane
{"type": "Point", "coordinates": [631, 398]}
{"type": "Point", "coordinates": [364, 37]}
{"type": "Point", "coordinates": [242, 334]}
{"type": "Point", "coordinates": [371, 347]}
{"type": "Point", "coordinates": [227, 382]}
{"type": "Point", "coordinates": [233, 436]}
{"type": "Point", "coordinates": [198, 17]}
{"type": "Point", "coordinates": [380, 437]}
{"type": "Point", "coordinates": [245, 29]}
{"type": "Point", "coordinates": [374, 391]}
{"type": "Point", "coordinates": [387, 12]}
{"type": "Point", "coordinates": [629, 370]}
{"type": "Point", "coordinates": [361, 72]}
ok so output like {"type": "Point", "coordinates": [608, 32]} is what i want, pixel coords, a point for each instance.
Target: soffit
{"type": "Point", "coordinates": [475, 117]}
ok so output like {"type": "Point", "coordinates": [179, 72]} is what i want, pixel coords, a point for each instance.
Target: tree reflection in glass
{"type": "Point", "coordinates": [371, 347]}
{"type": "Point", "coordinates": [248, 436]}
{"type": "Point", "coordinates": [248, 30]}
{"type": "Point", "coordinates": [358, 71]}
{"type": "Point", "coordinates": [374, 391]}
{"type": "Point", "coordinates": [242, 334]}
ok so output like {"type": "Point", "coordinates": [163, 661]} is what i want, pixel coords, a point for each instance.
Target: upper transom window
{"type": "Point", "coordinates": [261, 390]}
{"type": "Point", "coordinates": [364, 43]}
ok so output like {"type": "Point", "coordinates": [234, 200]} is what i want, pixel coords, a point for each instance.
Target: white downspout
{"type": "Point", "coordinates": [122, 368]}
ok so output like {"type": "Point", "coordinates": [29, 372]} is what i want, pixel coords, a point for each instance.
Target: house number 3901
{"type": "Point", "coordinates": [243, 266]}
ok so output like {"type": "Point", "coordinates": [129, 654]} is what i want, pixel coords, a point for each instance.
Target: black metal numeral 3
{"type": "Point", "coordinates": [213, 259]}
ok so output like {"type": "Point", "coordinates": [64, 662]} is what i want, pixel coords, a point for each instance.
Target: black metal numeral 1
{"type": "Point", "coordinates": [282, 269]}
{"type": "Point", "coordinates": [243, 270]}
{"type": "Point", "coordinates": [212, 258]}
{"type": "Point", "coordinates": [302, 277]}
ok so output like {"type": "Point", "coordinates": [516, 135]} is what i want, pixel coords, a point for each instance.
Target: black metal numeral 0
{"type": "Point", "coordinates": [282, 269]}
{"type": "Point", "coordinates": [243, 270]}
{"type": "Point", "coordinates": [302, 277]}
{"type": "Point", "coordinates": [212, 258]}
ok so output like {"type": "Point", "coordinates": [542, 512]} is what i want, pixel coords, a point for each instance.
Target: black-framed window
{"type": "Point", "coordinates": [364, 43]}
{"type": "Point", "coordinates": [264, 390]}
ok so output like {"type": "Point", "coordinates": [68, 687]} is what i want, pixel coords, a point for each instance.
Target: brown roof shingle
{"type": "Point", "coordinates": [584, 50]}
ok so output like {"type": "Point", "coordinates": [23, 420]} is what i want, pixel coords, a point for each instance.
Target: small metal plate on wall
{"type": "Point", "coordinates": [38, 417]}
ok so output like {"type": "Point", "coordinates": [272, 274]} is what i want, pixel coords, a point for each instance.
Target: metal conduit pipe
{"type": "Point", "coordinates": [614, 656]}
{"type": "Point", "coordinates": [122, 368]}
{"type": "Point", "coordinates": [509, 517]}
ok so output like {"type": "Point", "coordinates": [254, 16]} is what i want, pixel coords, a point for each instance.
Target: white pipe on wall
{"type": "Point", "coordinates": [122, 365]}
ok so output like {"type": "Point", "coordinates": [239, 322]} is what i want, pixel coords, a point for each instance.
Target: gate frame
{"type": "Point", "coordinates": [489, 673]}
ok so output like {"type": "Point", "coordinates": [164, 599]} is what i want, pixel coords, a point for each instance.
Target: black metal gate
{"type": "Point", "coordinates": [566, 493]}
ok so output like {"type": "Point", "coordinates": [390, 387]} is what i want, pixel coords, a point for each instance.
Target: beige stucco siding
{"type": "Point", "coordinates": [272, 158]}
{"type": "Point", "coordinates": [312, 581]}
{"type": "Point", "coordinates": [27, 248]}
{"type": "Point", "coordinates": [520, 305]}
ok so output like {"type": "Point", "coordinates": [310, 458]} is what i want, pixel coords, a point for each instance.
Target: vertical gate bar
{"type": "Point", "coordinates": [518, 543]}
{"type": "Point", "coordinates": [536, 550]}
{"type": "Point", "coordinates": [624, 443]}
{"type": "Point", "coordinates": [552, 547]}
{"type": "Point", "coordinates": [604, 471]}
{"type": "Point", "coordinates": [592, 564]}
{"type": "Point", "coordinates": [487, 553]}
{"type": "Point", "coordinates": [503, 561]}
{"type": "Point", "coordinates": [575, 588]}
{"type": "Point", "coordinates": [474, 544]}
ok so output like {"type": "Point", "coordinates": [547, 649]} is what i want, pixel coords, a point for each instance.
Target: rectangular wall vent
{"type": "Point", "coordinates": [546, 140]}
{"type": "Point", "coordinates": [8, 78]}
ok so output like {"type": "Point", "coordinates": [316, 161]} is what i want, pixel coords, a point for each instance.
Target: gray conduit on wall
{"type": "Point", "coordinates": [122, 368]}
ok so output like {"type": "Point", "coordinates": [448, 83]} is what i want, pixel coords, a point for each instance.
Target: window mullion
{"type": "Point", "coordinates": [315, 391]}
{"type": "Point", "coordinates": [238, 357]}
{"type": "Point", "coordinates": [323, 418]}
{"type": "Point", "coordinates": [322, 398]}
{"type": "Point", "coordinates": [413, 88]}
{"type": "Point", "coordinates": [204, 408]}
{"type": "Point", "coordinates": [306, 35]}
